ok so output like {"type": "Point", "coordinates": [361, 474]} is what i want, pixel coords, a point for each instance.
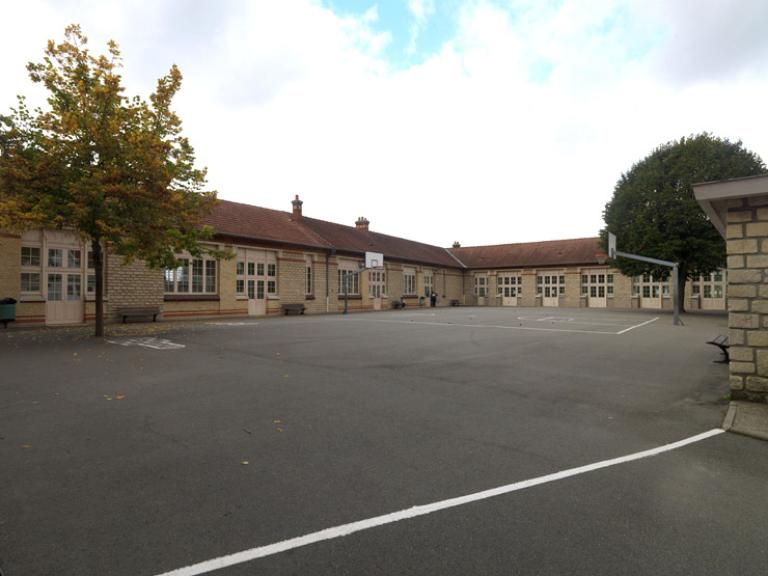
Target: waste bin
{"type": "Point", "coordinates": [7, 311]}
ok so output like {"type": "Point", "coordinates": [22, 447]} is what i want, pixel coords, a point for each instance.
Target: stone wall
{"type": "Point", "coordinates": [747, 241]}
{"type": "Point", "coordinates": [132, 284]}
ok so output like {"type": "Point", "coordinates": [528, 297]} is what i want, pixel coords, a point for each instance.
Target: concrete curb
{"type": "Point", "coordinates": [748, 419]}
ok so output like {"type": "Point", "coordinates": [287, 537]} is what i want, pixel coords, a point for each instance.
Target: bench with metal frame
{"type": "Point", "coordinates": [721, 341]}
{"type": "Point", "coordinates": [138, 312]}
{"type": "Point", "coordinates": [289, 309]}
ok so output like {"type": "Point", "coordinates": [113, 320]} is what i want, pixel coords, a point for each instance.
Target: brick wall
{"type": "Point", "coordinates": [747, 241]}
{"type": "Point", "coordinates": [133, 284]}
{"type": "Point", "coordinates": [10, 267]}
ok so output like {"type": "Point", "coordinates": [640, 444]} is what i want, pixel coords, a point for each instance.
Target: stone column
{"type": "Point", "coordinates": [747, 240]}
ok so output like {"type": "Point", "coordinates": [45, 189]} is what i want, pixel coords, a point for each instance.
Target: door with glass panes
{"type": "Point", "coordinates": [711, 290]}
{"type": "Point", "coordinates": [509, 288]}
{"type": "Point", "coordinates": [650, 291]}
{"type": "Point", "coordinates": [550, 286]}
{"type": "Point", "coordinates": [64, 285]}
{"type": "Point", "coordinates": [255, 283]}
{"type": "Point", "coordinates": [594, 285]}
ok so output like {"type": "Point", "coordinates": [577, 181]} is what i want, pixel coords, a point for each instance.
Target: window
{"type": "Point", "coordinates": [30, 282]}
{"type": "Point", "coordinates": [271, 278]}
{"type": "Point", "coordinates": [55, 258]}
{"type": "Point", "coordinates": [409, 281]}
{"type": "Point", "coordinates": [191, 276]}
{"type": "Point", "coordinates": [73, 286]}
{"type": "Point", "coordinates": [240, 268]}
{"type": "Point", "coordinates": [481, 283]}
{"type": "Point", "coordinates": [54, 288]}
{"type": "Point", "coordinates": [308, 280]}
{"type": "Point", "coordinates": [30, 256]}
{"type": "Point", "coordinates": [240, 278]}
{"type": "Point", "coordinates": [73, 258]}
{"type": "Point", "coordinates": [349, 282]}
{"type": "Point", "coordinates": [429, 282]}
{"type": "Point", "coordinates": [31, 271]}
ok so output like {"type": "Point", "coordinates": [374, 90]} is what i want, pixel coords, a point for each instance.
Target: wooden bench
{"type": "Point", "coordinates": [289, 309]}
{"type": "Point", "coordinates": [721, 341]}
{"type": "Point", "coordinates": [138, 312]}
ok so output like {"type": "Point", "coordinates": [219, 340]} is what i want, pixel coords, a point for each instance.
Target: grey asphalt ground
{"type": "Point", "coordinates": [120, 459]}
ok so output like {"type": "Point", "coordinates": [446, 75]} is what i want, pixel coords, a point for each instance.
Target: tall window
{"type": "Point", "coordinates": [30, 270]}
{"type": "Point", "coordinates": [271, 279]}
{"type": "Point", "coordinates": [429, 282]}
{"type": "Point", "coordinates": [409, 281]}
{"type": "Point", "coordinates": [349, 282]}
{"type": "Point", "coordinates": [191, 276]}
{"type": "Point", "coordinates": [481, 285]}
{"type": "Point", "coordinates": [308, 277]}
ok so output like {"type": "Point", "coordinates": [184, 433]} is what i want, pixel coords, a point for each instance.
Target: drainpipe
{"type": "Point", "coordinates": [328, 255]}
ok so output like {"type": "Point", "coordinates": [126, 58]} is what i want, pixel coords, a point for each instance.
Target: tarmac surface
{"type": "Point", "coordinates": [168, 445]}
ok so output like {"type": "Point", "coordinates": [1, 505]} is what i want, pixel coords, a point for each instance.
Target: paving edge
{"type": "Point", "coordinates": [747, 418]}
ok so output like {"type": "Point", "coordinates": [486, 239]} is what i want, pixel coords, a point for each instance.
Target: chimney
{"type": "Point", "coordinates": [297, 208]}
{"type": "Point", "coordinates": [362, 224]}
{"type": "Point", "coordinates": [456, 245]}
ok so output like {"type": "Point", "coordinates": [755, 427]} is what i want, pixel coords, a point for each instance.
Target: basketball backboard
{"type": "Point", "coordinates": [374, 260]}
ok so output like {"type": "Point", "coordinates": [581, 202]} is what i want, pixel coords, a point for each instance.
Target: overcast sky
{"type": "Point", "coordinates": [482, 121]}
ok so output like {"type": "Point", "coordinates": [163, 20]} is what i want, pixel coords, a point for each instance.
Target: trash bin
{"type": "Point", "coordinates": [7, 311]}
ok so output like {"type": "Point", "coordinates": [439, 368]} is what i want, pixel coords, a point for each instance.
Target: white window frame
{"type": "Point", "coordinates": [429, 282]}
{"type": "Point", "coordinates": [309, 276]}
{"type": "Point", "coordinates": [481, 285]}
{"type": "Point", "coordinates": [409, 282]}
{"type": "Point", "coordinates": [188, 262]}
{"type": "Point", "coordinates": [352, 277]}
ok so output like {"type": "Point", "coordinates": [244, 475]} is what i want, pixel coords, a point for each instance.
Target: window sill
{"type": "Point", "coordinates": [350, 297]}
{"type": "Point", "coordinates": [31, 299]}
{"type": "Point", "coordinates": [309, 297]}
{"type": "Point", "coordinates": [191, 298]}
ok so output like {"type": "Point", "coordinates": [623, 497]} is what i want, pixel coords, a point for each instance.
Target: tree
{"type": "Point", "coordinates": [653, 211]}
{"type": "Point", "coordinates": [116, 170]}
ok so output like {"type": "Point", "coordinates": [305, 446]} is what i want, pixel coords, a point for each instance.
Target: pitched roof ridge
{"type": "Point", "coordinates": [452, 255]}
{"type": "Point", "coordinates": [372, 232]}
{"type": "Point", "coordinates": [527, 243]}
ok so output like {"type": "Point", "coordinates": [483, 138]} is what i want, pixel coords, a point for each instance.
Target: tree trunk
{"type": "Point", "coordinates": [98, 265]}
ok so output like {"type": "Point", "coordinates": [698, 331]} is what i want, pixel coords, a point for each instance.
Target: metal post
{"type": "Point", "coordinates": [675, 297]}
{"type": "Point", "coordinates": [345, 275]}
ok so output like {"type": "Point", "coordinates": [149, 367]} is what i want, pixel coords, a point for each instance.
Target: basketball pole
{"type": "Point", "coordinates": [614, 253]}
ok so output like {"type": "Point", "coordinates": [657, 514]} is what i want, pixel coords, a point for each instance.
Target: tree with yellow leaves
{"type": "Point", "coordinates": [115, 169]}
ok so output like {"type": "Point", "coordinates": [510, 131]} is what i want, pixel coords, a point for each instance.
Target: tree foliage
{"type": "Point", "coordinates": [115, 169]}
{"type": "Point", "coordinates": [653, 211]}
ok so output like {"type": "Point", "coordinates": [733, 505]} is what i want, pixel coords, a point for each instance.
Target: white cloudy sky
{"type": "Point", "coordinates": [479, 121]}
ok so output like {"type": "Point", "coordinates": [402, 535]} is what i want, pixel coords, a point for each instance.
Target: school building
{"type": "Point", "coordinates": [281, 257]}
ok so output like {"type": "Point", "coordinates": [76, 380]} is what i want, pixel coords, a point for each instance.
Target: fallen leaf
{"type": "Point", "coordinates": [119, 396]}
{"type": "Point", "coordinates": [279, 429]}
{"type": "Point", "coordinates": [244, 462]}
{"type": "Point", "coordinates": [26, 445]}
{"type": "Point", "coordinates": [277, 421]}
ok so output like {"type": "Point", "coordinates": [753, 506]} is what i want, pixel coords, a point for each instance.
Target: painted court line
{"type": "Point", "coordinates": [638, 325]}
{"type": "Point", "coordinates": [416, 511]}
{"type": "Point", "coordinates": [531, 328]}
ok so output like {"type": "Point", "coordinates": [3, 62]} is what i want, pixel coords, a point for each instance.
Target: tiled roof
{"type": "Point", "coordinates": [246, 221]}
{"type": "Point", "coordinates": [350, 239]}
{"type": "Point", "coordinates": [263, 224]}
{"type": "Point", "coordinates": [532, 254]}
{"type": "Point", "coordinates": [257, 223]}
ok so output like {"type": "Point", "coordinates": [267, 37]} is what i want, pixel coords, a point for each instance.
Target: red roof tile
{"type": "Point", "coordinates": [532, 254]}
{"type": "Point", "coordinates": [246, 221]}
{"type": "Point", "coordinates": [257, 223]}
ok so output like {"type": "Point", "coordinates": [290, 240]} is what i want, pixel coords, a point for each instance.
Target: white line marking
{"type": "Point", "coordinates": [414, 322]}
{"type": "Point", "coordinates": [352, 527]}
{"type": "Point", "coordinates": [638, 325]}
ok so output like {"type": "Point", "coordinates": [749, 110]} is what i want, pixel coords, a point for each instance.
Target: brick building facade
{"type": "Point", "coordinates": [288, 258]}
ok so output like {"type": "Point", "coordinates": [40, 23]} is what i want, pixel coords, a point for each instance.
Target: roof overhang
{"type": "Point", "coordinates": [716, 197]}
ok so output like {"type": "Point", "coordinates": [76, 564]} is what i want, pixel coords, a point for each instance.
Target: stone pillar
{"type": "Point", "coordinates": [747, 240]}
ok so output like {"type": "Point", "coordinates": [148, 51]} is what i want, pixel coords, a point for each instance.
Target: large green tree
{"type": "Point", "coordinates": [653, 211]}
{"type": "Point", "coordinates": [116, 170]}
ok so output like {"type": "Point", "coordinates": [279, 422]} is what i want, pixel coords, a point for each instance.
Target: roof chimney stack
{"type": "Point", "coordinates": [362, 224]}
{"type": "Point", "coordinates": [297, 208]}
{"type": "Point", "coordinates": [456, 245]}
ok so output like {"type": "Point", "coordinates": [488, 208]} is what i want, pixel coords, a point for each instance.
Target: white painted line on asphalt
{"type": "Point", "coordinates": [149, 342]}
{"type": "Point", "coordinates": [352, 527]}
{"type": "Point", "coordinates": [638, 325]}
{"type": "Point", "coordinates": [532, 328]}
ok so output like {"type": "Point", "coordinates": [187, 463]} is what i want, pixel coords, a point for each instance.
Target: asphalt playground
{"type": "Point", "coordinates": [448, 441]}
